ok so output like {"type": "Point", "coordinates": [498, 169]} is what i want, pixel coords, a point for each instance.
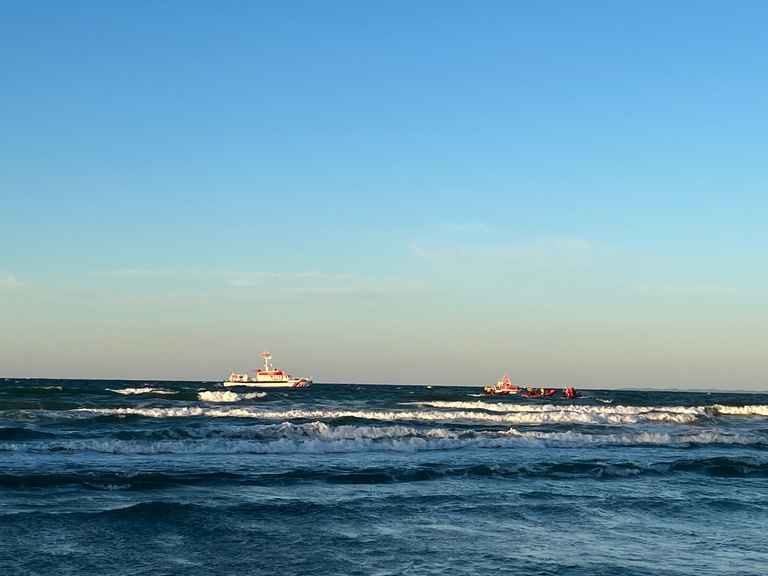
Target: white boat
{"type": "Point", "coordinates": [503, 387]}
{"type": "Point", "coordinates": [269, 377]}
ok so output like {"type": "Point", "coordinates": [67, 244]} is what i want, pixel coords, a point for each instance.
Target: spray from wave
{"type": "Point", "coordinates": [227, 396]}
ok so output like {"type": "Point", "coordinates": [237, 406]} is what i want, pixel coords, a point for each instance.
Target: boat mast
{"type": "Point", "coordinates": [267, 357]}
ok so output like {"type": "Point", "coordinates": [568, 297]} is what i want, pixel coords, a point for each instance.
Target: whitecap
{"type": "Point", "coordinates": [227, 396]}
{"type": "Point", "coordinates": [528, 415]}
{"type": "Point", "coordinates": [748, 410]}
{"type": "Point", "coordinates": [146, 390]}
{"type": "Point", "coordinates": [318, 437]}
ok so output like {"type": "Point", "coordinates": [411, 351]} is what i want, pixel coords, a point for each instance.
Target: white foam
{"type": "Point", "coordinates": [128, 391]}
{"type": "Point", "coordinates": [324, 431]}
{"type": "Point", "coordinates": [529, 416]}
{"type": "Point", "coordinates": [318, 437]}
{"type": "Point", "coordinates": [227, 396]}
{"type": "Point", "coordinates": [285, 438]}
{"type": "Point", "coordinates": [580, 414]}
{"type": "Point", "coordinates": [753, 410]}
{"type": "Point", "coordinates": [573, 439]}
{"type": "Point", "coordinates": [509, 407]}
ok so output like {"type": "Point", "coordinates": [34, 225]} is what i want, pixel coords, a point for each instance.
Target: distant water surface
{"type": "Point", "coordinates": [106, 477]}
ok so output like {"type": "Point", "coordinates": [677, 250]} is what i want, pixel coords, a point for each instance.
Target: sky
{"type": "Point", "coordinates": [572, 193]}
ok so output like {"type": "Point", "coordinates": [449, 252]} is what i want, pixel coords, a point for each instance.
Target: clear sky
{"type": "Point", "coordinates": [399, 192]}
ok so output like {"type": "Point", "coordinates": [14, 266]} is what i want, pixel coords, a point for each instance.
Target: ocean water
{"type": "Point", "coordinates": [106, 477]}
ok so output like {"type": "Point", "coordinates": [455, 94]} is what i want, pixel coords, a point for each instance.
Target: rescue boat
{"type": "Point", "coordinates": [503, 386]}
{"type": "Point", "coordinates": [269, 377]}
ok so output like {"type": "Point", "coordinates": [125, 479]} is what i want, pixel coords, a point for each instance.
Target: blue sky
{"type": "Point", "coordinates": [432, 192]}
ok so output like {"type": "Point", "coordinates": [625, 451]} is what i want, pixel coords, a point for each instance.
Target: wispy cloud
{"type": "Point", "coordinates": [545, 253]}
{"type": "Point", "coordinates": [9, 281]}
{"type": "Point", "coordinates": [237, 281]}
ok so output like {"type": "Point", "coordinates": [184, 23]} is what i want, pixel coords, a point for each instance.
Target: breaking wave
{"type": "Point", "coordinates": [227, 396]}
{"type": "Point", "coordinates": [319, 437]}
{"type": "Point", "coordinates": [754, 410]}
{"type": "Point", "coordinates": [131, 391]}
{"type": "Point", "coordinates": [577, 413]}
{"type": "Point", "coordinates": [529, 415]}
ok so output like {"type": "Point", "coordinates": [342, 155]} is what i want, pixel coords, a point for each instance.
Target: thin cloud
{"type": "Point", "coordinates": [9, 281]}
{"type": "Point", "coordinates": [242, 282]}
{"type": "Point", "coordinates": [551, 252]}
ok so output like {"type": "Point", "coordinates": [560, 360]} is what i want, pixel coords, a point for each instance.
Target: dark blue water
{"type": "Point", "coordinates": [191, 478]}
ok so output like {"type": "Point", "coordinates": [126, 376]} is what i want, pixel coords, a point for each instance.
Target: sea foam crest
{"type": "Point", "coordinates": [749, 410]}
{"type": "Point", "coordinates": [146, 390]}
{"type": "Point", "coordinates": [286, 438]}
{"type": "Point", "coordinates": [572, 413]}
{"type": "Point", "coordinates": [324, 431]}
{"type": "Point", "coordinates": [572, 439]}
{"type": "Point", "coordinates": [585, 415]}
{"type": "Point", "coordinates": [227, 396]}
{"type": "Point", "coordinates": [318, 437]}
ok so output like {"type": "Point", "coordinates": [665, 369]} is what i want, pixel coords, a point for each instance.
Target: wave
{"type": "Point", "coordinates": [748, 410]}
{"type": "Point", "coordinates": [37, 390]}
{"type": "Point", "coordinates": [315, 437]}
{"type": "Point", "coordinates": [227, 396]}
{"type": "Point", "coordinates": [723, 467]}
{"type": "Point", "coordinates": [573, 439]}
{"type": "Point", "coordinates": [528, 416]}
{"type": "Point", "coordinates": [130, 391]}
{"type": "Point", "coordinates": [21, 433]}
{"type": "Point", "coordinates": [582, 414]}
{"type": "Point", "coordinates": [319, 437]}
{"type": "Point", "coordinates": [111, 481]}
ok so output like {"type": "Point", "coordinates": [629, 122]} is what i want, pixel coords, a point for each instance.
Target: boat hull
{"type": "Point", "coordinates": [546, 394]}
{"type": "Point", "coordinates": [502, 392]}
{"type": "Point", "coordinates": [302, 383]}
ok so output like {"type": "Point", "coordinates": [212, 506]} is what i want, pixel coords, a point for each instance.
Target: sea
{"type": "Point", "coordinates": [165, 478]}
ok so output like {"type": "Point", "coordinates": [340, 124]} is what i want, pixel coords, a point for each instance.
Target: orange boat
{"type": "Point", "coordinates": [538, 392]}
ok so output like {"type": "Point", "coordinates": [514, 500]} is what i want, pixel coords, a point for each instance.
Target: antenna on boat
{"type": "Point", "coordinates": [267, 357]}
